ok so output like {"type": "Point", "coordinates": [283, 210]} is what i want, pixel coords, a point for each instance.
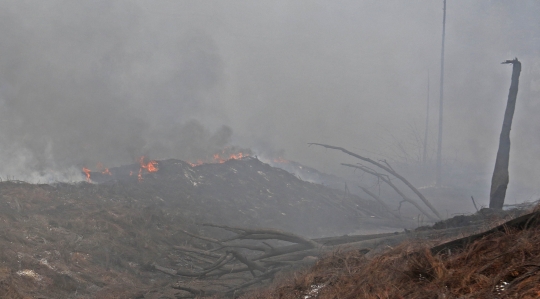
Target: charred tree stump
{"type": "Point", "coordinates": [500, 179]}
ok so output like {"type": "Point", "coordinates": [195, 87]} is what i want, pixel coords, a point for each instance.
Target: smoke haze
{"type": "Point", "coordinates": [86, 81]}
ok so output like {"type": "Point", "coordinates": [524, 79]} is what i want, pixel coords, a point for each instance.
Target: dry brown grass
{"type": "Point", "coordinates": [500, 265]}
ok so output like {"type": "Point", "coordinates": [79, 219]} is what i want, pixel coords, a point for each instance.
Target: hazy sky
{"type": "Point", "coordinates": [106, 81]}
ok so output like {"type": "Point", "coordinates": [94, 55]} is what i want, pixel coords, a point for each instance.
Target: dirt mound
{"type": "Point", "coordinates": [247, 192]}
{"type": "Point", "coordinates": [104, 240]}
{"type": "Point", "coordinates": [91, 240]}
{"type": "Point", "coordinates": [57, 241]}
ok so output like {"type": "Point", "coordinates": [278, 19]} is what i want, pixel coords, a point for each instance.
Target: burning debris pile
{"type": "Point", "coordinates": [167, 229]}
{"type": "Point", "coordinates": [247, 192]}
{"type": "Point", "coordinates": [104, 239]}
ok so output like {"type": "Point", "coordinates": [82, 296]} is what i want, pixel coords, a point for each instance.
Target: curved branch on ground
{"type": "Point", "coordinates": [263, 234]}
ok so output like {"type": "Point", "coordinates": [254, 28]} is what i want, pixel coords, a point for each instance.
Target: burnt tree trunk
{"type": "Point", "coordinates": [500, 179]}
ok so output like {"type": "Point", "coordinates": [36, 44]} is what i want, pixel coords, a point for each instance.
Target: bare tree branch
{"type": "Point", "coordinates": [194, 250]}
{"type": "Point", "coordinates": [385, 179]}
{"type": "Point", "coordinates": [201, 237]}
{"type": "Point", "coordinates": [377, 198]}
{"type": "Point", "coordinates": [387, 169]}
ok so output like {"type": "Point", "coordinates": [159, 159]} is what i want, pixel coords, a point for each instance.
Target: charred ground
{"type": "Point", "coordinates": [124, 236]}
{"type": "Point", "coordinates": [499, 262]}
{"type": "Point", "coordinates": [99, 240]}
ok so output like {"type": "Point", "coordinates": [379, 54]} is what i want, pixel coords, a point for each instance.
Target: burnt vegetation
{"type": "Point", "coordinates": [501, 262]}
{"type": "Point", "coordinates": [179, 231]}
{"type": "Point", "coordinates": [213, 230]}
{"type": "Point", "coordinates": [173, 229]}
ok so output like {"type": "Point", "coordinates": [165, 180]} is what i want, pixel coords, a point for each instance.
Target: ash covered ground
{"type": "Point", "coordinates": [99, 239]}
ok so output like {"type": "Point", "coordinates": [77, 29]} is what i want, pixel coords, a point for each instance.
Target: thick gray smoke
{"type": "Point", "coordinates": [86, 81]}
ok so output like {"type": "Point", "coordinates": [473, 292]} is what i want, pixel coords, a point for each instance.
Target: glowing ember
{"type": "Point", "coordinates": [102, 169]}
{"type": "Point", "coordinates": [220, 158]}
{"type": "Point", "coordinates": [280, 160]}
{"type": "Point", "coordinates": [87, 172]}
{"type": "Point", "coordinates": [199, 162]}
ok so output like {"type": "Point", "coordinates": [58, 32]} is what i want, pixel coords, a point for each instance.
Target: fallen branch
{"type": "Point", "coordinates": [193, 291]}
{"type": "Point", "coordinates": [198, 251]}
{"type": "Point", "coordinates": [267, 275]}
{"type": "Point", "coordinates": [263, 234]}
{"type": "Point", "coordinates": [520, 223]}
{"type": "Point", "coordinates": [236, 264]}
{"type": "Point", "coordinates": [252, 265]}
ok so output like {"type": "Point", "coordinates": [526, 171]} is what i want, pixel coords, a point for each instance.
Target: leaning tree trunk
{"type": "Point", "coordinates": [500, 179]}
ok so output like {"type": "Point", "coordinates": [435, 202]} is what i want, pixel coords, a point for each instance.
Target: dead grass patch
{"type": "Point", "coordinates": [503, 264]}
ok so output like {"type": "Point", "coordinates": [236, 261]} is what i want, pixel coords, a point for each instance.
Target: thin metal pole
{"type": "Point", "coordinates": [439, 144]}
{"type": "Point", "coordinates": [424, 156]}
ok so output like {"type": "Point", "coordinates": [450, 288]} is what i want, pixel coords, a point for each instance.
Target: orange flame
{"type": "Point", "coordinates": [220, 159]}
{"type": "Point", "coordinates": [106, 171]}
{"type": "Point", "coordinates": [151, 166]}
{"type": "Point", "coordinates": [87, 172]}
{"type": "Point", "coordinates": [237, 156]}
